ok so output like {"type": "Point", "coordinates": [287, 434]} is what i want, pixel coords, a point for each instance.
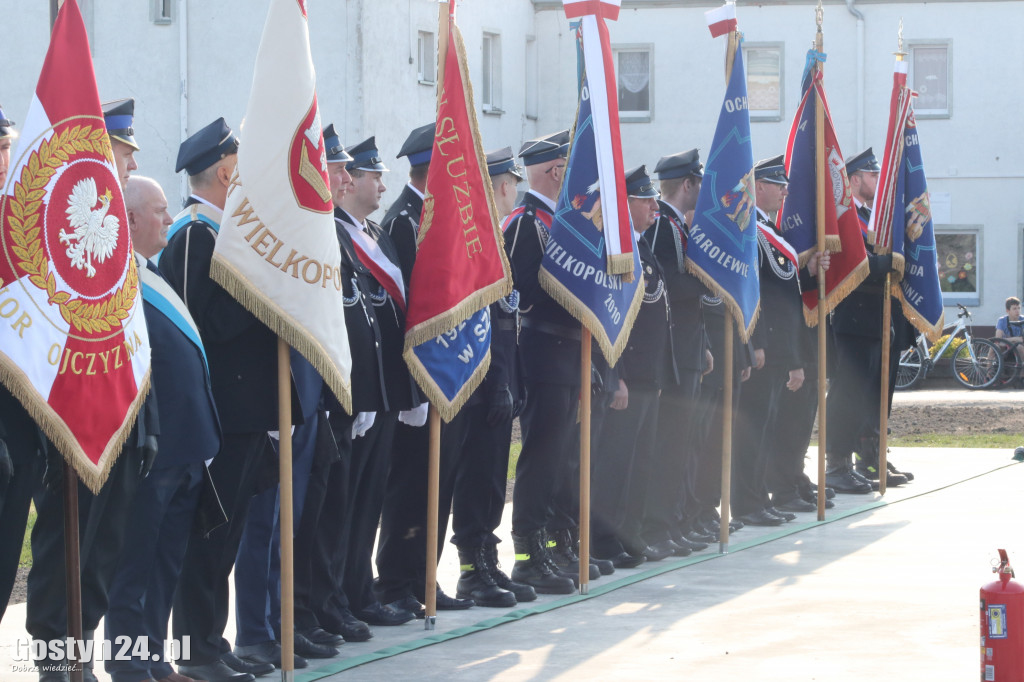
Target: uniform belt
{"type": "Point", "coordinates": [552, 328]}
{"type": "Point", "coordinates": [506, 325]}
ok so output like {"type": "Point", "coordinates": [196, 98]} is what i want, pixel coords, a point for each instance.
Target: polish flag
{"type": "Point", "coordinates": [722, 20]}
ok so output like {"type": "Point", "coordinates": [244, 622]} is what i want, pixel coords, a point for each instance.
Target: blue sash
{"type": "Point", "coordinates": [159, 294]}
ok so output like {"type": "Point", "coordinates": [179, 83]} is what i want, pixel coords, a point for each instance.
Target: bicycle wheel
{"type": "Point", "coordinates": [977, 364]}
{"type": "Point", "coordinates": [1008, 350]}
{"type": "Point", "coordinates": [910, 371]}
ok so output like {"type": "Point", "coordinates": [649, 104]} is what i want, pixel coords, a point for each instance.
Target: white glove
{"type": "Point", "coordinates": [362, 424]}
{"type": "Point", "coordinates": [417, 416]}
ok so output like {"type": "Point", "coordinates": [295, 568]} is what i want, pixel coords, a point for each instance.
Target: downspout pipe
{"type": "Point", "coordinates": [182, 87]}
{"type": "Point", "coordinates": [860, 72]}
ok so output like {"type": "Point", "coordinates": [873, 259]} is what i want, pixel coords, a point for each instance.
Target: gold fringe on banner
{"type": "Point", "coordinates": [582, 312]}
{"type": "Point", "coordinates": [621, 264]}
{"type": "Point", "coordinates": [283, 325]}
{"type": "Point", "coordinates": [447, 409]}
{"type": "Point", "coordinates": [730, 303]}
{"type": "Point", "coordinates": [57, 430]}
{"type": "Point", "coordinates": [833, 244]}
{"type": "Point", "coordinates": [841, 291]}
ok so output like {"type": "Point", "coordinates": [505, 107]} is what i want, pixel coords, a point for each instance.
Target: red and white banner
{"type": "Point", "coordinates": [277, 249]}
{"type": "Point", "coordinates": [73, 344]}
{"type": "Point", "coordinates": [722, 20]}
{"type": "Point", "coordinates": [597, 60]}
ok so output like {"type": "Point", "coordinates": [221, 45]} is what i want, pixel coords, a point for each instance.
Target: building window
{"type": "Point", "coordinates": [490, 93]}
{"type": "Point", "coordinates": [426, 59]}
{"type": "Point", "coordinates": [763, 62]}
{"type": "Point", "coordinates": [929, 78]}
{"type": "Point", "coordinates": [161, 12]}
{"type": "Point", "coordinates": [531, 92]}
{"type": "Point", "coordinates": [634, 78]}
{"type": "Point", "coordinates": [958, 252]}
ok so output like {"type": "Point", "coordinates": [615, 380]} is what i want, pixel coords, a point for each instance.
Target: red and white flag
{"type": "Point", "coordinates": [73, 347]}
{"type": "Point", "coordinates": [722, 20]}
{"type": "Point", "coordinates": [277, 249]}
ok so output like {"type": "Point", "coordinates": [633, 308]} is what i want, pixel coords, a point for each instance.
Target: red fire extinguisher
{"type": "Point", "coordinates": [1002, 626]}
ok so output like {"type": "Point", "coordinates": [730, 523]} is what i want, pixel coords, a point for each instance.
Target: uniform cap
{"type": "Point", "coordinates": [206, 147]}
{"type": "Point", "coordinates": [548, 148]}
{"type": "Point", "coordinates": [419, 145]}
{"type": "Point", "coordinates": [6, 124]}
{"type": "Point", "coordinates": [639, 184]}
{"type": "Point", "coordinates": [335, 151]}
{"type": "Point", "coordinates": [503, 161]}
{"type": "Point", "coordinates": [865, 161]}
{"type": "Point", "coordinates": [772, 170]}
{"type": "Point", "coordinates": [119, 116]}
{"type": "Point", "coordinates": [365, 156]}
{"type": "Point", "coordinates": [680, 165]}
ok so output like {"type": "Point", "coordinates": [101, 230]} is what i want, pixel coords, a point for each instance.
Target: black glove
{"type": "Point", "coordinates": [501, 406]}
{"type": "Point", "coordinates": [520, 405]}
{"type": "Point", "coordinates": [148, 452]}
{"type": "Point", "coordinates": [6, 465]}
{"type": "Point", "coordinates": [885, 264]}
{"type": "Point", "coordinates": [54, 473]}
{"type": "Point", "coordinates": [596, 380]}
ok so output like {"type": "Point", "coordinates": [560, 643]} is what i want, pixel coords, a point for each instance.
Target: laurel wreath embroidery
{"type": "Point", "coordinates": [27, 247]}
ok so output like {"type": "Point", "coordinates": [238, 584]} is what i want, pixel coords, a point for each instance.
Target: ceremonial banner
{"type": "Point", "coordinates": [73, 347]}
{"type": "Point", "coordinates": [902, 220]}
{"type": "Point", "coordinates": [722, 251]}
{"type": "Point", "coordinates": [277, 249]}
{"type": "Point", "coordinates": [461, 267]}
{"type": "Point", "coordinates": [798, 217]}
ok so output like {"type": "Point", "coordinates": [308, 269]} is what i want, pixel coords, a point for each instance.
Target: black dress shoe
{"type": "Point", "coordinates": [320, 636]}
{"type": "Point", "coordinates": [893, 470]}
{"type": "Point", "coordinates": [864, 479]}
{"type": "Point", "coordinates": [698, 536]}
{"type": "Point", "coordinates": [384, 614]}
{"type": "Point", "coordinates": [411, 604]}
{"type": "Point", "coordinates": [670, 548]}
{"type": "Point", "coordinates": [266, 652]}
{"type": "Point", "coordinates": [238, 665]}
{"type": "Point", "coordinates": [795, 504]}
{"type": "Point", "coordinates": [218, 671]}
{"type": "Point", "coordinates": [604, 567]}
{"type": "Point", "coordinates": [308, 649]}
{"type": "Point", "coordinates": [735, 525]}
{"type": "Point", "coordinates": [691, 545]}
{"type": "Point", "coordinates": [353, 629]}
{"type": "Point", "coordinates": [446, 603]}
{"type": "Point", "coordinates": [784, 515]}
{"type": "Point", "coordinates": [625, 560]}
{"type": "Point", "coordinates": [842, 480]}
{"type": "Point", "coordinates": [760, 518]}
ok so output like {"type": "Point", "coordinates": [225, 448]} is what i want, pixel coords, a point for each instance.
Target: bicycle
{"type": "Point", "coordinates": [976, 363]}
{"type": "Point", "coordinates": [1013, 360]}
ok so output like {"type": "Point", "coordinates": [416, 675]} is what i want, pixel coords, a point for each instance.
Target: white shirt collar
{"type": "Point", "coordinates": [204, 201]}
{"type": "Point", "coordinates": [418, 193]}
{"type": "Point", "coordinates": [547, 202]}
{"type": "Point", "coordinates": [682, 218]}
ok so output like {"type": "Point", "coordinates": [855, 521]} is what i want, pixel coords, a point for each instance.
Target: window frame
{"type": "Point", "coordinates": [531, 89]}
{"type": "Point", "coordinates": [946, 44]}
{"type": "Point", "coordinates": [162, 12]}
{"type": "Point", "coordinates": [766, 114]}
{"type": "Point", "coordinates": [490, 81]}
{"type": "Point", "coordinates": [636, 116]}
{"type": "Point", "coordinates": [423, 61]}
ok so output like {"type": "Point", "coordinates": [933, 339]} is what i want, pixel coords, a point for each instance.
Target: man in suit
{"type": "Point", "coordinates": [164, 506]}
{"type": "Point", "coordinates": [242, 355]}
{"type": "Point", "coordinates": [402, 221]}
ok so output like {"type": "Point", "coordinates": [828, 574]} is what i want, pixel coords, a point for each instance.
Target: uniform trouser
{"type": "Point", "coordinates": [796, 417]}
{"type": "Point", "coordinates": [322, 539]}
{"type": "Point", "coordinates": [854, 394]}
{"type": "Point", "coordinates": [258, 563]}
{"type": "Point", "coordinates": [201, 602]}
{"type": "Point", "coordinates": [402, 547]}
{"type": "Point", "coordinates": [143, 589]}
{"type": "Point", "coordinates": [708, 433]}
{"type": "Point", "coordinates": [371, 457]}
{"type": "Point", "coordinates": [102, 520]}
{"type": "Point", "coordinates": [622, 466]}
{"type": "Point", "coordinates": [753, 437]}
{"type": "Point", "coordinates": [15, 499]}
{"type": "Point", "coordinates": [481, 481]}
{"type": "Point", "coordinates": [674, 462]}
{"type": "Point", "coordinates": [547, 424]}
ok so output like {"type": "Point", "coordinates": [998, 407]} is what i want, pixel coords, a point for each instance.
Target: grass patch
{"type": "Point", "coordinates": [954, 440]}
{"type": "Point", "coordinates": [26, 548]}
{"type": "Point", "coordinates": [513, 457]}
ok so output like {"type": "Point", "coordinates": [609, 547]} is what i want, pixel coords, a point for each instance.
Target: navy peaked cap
{"type": "Point", "coordinates": [865, 161]}
{"type": "Point", "coordinates": [119, 116]}
{"type": "Point", "coordinates": [772, 170]}
{"type": "Point", "coordinates": [503, 161]}
{"type": "Point", "coordinates": [639, 183]}
{"type": "Point", "coordinates": [365, 156]}
{"type": "Point", "coordinates": [680, 165]}
{"type": "Point", "coordinates": [419, 145]}
{"type": "Point", "coordinates": [547, 148]}
{"type": "Point", "coordinates": [206, 147]}
{"type": "Point", "coordinates": [335, 151]}
{"type": "Point", "coordinates": [5, 124]}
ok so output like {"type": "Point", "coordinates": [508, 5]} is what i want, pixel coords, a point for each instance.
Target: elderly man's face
{"type": "Point", "coordinates": [148, 218]}
{"type": "Point", "coordinates": [642, 210]}
{"type": "Point", "coordinates": [341, 181]}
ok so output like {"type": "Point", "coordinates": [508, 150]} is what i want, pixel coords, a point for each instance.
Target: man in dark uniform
{"type": "Point", "coordinates": [242, 355]}
{"type": "Point", "coordinates": [854, 394]}
{"type": "Point", "coordinates": [21, 442]}
{"type": "Point", "coordinates": [624, 456]}
{"type": "Point", "coordinates": [550, 344]}
{"type": "Point", "coordinates": [666, 521]}
{"type": "Point", "coordinates": [396, 398]}
{"type": "Point", "coordinates": [102, 517]}
{"type": "Point", "coordinates": [164, 506]}
{"type": "Point", "coordinates": [779, 353]}
{"type": "Point", "coordinates": [402, 221]}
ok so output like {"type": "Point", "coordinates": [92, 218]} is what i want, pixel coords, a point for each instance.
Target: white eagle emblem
{"type": "Point", "coordinates": [95, 231]}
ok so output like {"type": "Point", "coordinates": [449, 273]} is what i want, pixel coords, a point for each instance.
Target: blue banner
{"type": "Point", "coordinates": [722, 251]}
{"type": "Point", "coordinates": [452, 359]}
{"type": "Point", "coordinates": [574, 270]}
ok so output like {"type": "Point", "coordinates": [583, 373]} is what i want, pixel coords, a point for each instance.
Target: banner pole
{"type": "Point", "coordinates": [433, 481]}
{"type": "Point", "coordinates": [585, 361]}
{"type": "Point", "coordinates": [820, 172]}
{"type": "Point", "coordinates": [72, 565]}
{"type": "Point", "coordinates": [723, 524]}
{"type": "Point", "coordinates": [286, 521]}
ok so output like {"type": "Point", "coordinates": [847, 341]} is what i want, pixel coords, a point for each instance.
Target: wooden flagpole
{"type": "Point", "coordinates": [585, 360]}
{"type": "Point", "coordinates": [727, 375]}
{"type": "Point", "coordinates": [445, 12]}
{"type": "Point", "coordinates": [287, 525]}
{"type": "Point", "coordinates": [820, 174]}
{"type": "Point", "coordinates": [72, 566]}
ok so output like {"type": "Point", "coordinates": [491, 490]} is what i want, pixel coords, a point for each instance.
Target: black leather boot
{"type": "Point", "coordinates": [563, 553]}
{"type": "Point", "coordinates": [477, 583]}
{"type": "Point", "coordinates": [521, 591]}
{"type": "Point", "coordinates": [604, 566]}
{"type": "Point", "coordinates": [532, 568]}
{"type": "Point", "coordinates": [866, 463]}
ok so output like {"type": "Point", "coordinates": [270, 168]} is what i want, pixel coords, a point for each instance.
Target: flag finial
{"type": "Point", "coordinates": [819, 15]}
{"type": "Point", "coordinates": [900, 54]}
